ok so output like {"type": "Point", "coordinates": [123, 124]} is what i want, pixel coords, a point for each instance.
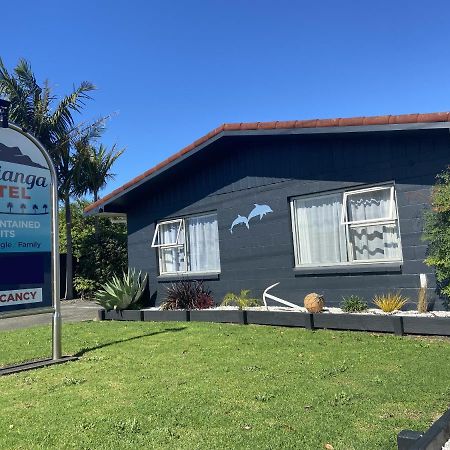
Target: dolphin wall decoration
{"type": "Point", "coordinates": [258, 210]}
{"type": "Point", "coordinates": [239, 219]}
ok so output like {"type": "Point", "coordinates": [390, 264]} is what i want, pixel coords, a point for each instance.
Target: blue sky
{"type": "Point", "coordinates": [172, 71]}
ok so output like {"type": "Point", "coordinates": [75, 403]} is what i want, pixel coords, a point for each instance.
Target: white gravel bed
{"type": "Point", "coordinates": [370, 311]}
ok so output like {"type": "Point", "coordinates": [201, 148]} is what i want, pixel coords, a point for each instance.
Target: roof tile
{"type": "Point", "coordinates": [314, 123]}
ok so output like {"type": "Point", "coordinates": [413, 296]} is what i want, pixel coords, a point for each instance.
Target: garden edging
{"type": "Point", "coordinates": [433, 439]}
{"type": "Point", "coordinates": [397, 324]}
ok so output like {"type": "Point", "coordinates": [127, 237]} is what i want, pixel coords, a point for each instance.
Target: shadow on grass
{"type": "Point", "coordinates": [83, 351]}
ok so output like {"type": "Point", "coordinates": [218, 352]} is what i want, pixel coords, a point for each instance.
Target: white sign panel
{"type": "Point", "coordinates": [20, 296]}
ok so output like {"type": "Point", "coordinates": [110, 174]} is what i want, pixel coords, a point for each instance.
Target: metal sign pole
{"type": "Point", "coordinates": [56, 328]}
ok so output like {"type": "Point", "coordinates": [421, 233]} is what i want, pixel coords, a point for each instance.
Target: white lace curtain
{"type": "Point", "coordinates": [202, 246]}
{"type": "Point", "coordinates": [320, 235]}
{"type": "Point", "coordinates": [172, 259]}
{"type": "Point", "coordinates": [380, 241]}
{"type": "Point", "coordinates": [203, 243]}
{"type": "Point", "coordinates": [322, 239]}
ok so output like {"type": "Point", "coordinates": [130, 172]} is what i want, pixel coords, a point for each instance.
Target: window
{"type": "Point", "coordinates": [359, 226]}
{"type": "Point", "coordinates": [188, 245]}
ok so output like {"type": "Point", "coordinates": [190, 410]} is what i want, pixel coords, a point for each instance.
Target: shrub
{"type": "Point", "coordinates": [186, 294]}
{"type": "Point", "coordinates": [241, 300]}
{"type": "Point", "coordinates": [437, 233]}
{"type": "Point", "coordinates": [391, 301]}
{"type": "Point", "coordinates": [121, 293]}
{"type": "Point", "coordinates": [97, 258]}
{"type": "Point", "coordinates": [85, 287]}
{"type": "Point", "coordinates": [353, 303]}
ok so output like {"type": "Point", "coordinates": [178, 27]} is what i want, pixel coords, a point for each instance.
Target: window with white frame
{"type": "Point", "coordinates": [358, 226]}
{"type": "Point", "coordinates": [188, 245]}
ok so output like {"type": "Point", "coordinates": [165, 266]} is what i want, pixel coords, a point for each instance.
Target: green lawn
{"type": "Point", "coordinates": [212, 386]}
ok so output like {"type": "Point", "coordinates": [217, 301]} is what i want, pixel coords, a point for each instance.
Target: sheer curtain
{"type": "Point", "coordinates": [172, 258]}
{"type": "Point", "coordinates": [380, 241]}
{"type": "Point", "coordinates": [203, 243]}
{"type": "Point", "coordinates": [320, 235]}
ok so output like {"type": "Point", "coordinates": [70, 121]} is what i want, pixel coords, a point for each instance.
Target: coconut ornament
{"type": "Point", "coordinates": [314, 302]}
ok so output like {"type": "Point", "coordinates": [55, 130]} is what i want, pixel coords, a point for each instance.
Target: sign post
{"type": "Point", "coordinates": [29, 253]}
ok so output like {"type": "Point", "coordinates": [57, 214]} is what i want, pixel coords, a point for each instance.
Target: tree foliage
{"type": "Point", "coordinates": [98, 258]}
{"type": "Point", "coordinates": [95, 165]}
{"type": "Point", "coordinates": [437, 232]}
{"type": "Point", "coordinates": [38, 110]}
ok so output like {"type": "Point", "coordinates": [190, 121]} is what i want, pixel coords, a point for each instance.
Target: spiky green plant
{"type": "Point", "coordinates": [392, 301]}
{"type": "Point", "coordinates": [241, 300]}
{"type": "Point", "coordinates": [353, 303]}
{"type": "Point", "coordinates": [121, 293]}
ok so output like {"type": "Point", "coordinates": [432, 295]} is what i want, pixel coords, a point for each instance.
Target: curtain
{"type": "Point", "coordinates": [172, 259]}
{"type": "Point", "coordinates": [370, 205]}
{"type": "Point", "coordinates": [203, 243]}
{"type": "Point", "coordinates": [320, 235]}
{"type": "Point", "coordinates": [372, 241]}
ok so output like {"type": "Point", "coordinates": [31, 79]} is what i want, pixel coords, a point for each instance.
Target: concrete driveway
{"type": "Point", "coordinates": [71, 310]}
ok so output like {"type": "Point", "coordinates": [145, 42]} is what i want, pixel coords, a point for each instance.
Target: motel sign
{"type": "Point", "coordinates": [29, 259]}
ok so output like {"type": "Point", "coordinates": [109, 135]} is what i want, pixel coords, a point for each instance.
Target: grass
{"type": "Point", "coordinates": [217, 386]}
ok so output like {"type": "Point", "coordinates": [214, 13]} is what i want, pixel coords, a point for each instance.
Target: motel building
{"type": "Point", "coordinates": [334, 206]}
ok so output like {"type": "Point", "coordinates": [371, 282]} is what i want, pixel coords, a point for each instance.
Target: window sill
{"type": "Point", "coordinates": [349, 269]}
{"type": "Point", "coordinates": [188, 276]}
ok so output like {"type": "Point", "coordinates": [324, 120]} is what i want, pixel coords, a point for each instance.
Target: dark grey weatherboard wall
{"type": "Point", "coordinates": [235, 172]}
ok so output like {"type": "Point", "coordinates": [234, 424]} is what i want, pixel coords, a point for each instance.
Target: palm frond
{"type": "Point", "coordinates": [62, 119]}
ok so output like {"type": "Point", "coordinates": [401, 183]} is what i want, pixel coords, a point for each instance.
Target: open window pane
{"type": "Point", "coordinates": [172, 260]}
{"type": "Point", "coordinates": [320, 234]}
{"type": "Point", "coordinates": [375, 242]}
{"type": "Point", "coordinates": [369, 205]}
{"type": "Point", "coordinates": [203, 243]}
{"type": "Point", "coordinates": [168, 233]}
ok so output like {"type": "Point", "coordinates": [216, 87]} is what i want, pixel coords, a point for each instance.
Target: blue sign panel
{"type": "Point", "coordinates": [25, 223]}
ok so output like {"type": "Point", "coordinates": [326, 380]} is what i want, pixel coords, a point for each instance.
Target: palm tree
{"type": "Point", "coordinates": [35, 109]}
{"type": "Point", "coordinates": [23, 207]}
{"type": "Point", "coordinates": [9, 206]}
{"type": "Point", "coordinates": [95, 170]}
{"type": "Point", "coordinates": [45, 207]}
{"type": "Point", "coordinates": [35, 208]}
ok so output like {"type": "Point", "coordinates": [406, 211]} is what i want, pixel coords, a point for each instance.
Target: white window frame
{"type": "Point", "coordinates": [183, 244]}
{"type": "Point", "coordinates": [392, 219]}
{"type": "Point", "coordinates": [168, 222]}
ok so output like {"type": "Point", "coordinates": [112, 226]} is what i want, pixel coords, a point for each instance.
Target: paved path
{"type": "Point", "coordinates": [71, 310]}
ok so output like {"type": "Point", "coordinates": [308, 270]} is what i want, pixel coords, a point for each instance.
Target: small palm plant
{"type": "Point", "coordinates": [392, 301]}
{"type": "Point", "coordinates": [241, 300]}
{"type": "Point", "coordinates": [121, 293]}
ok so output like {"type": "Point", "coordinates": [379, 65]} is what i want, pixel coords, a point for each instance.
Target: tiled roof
{"type": "Point", "coordinates": [289, 124]}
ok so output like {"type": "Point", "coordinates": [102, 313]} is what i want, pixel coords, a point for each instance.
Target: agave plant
{"type": "Point", "coordinates": [121, 293]}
